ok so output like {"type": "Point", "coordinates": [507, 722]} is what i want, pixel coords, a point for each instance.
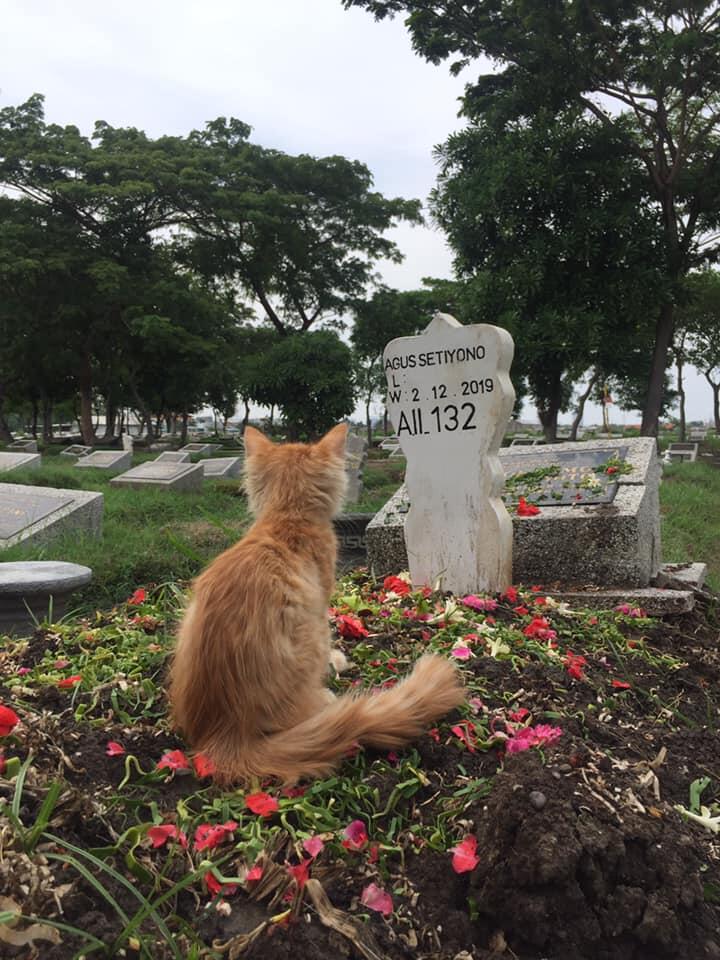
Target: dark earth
{"type": "Point", "coordinates": [581, 852]}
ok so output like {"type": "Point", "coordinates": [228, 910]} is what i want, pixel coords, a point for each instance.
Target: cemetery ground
{"type": "Point", "coordinates": [569, 810]}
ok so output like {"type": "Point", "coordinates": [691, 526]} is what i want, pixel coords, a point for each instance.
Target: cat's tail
{"type": "Point", "coordinates": [385, 719]}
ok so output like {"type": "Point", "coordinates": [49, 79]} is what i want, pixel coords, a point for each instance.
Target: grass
{"type": "Point", "coordinates": [690, 516]}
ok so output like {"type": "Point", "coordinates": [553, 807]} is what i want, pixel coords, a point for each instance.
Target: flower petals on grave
{"type": "Point", "coordinates": [351, 627]}
{"type": "Point", "coordinates": [114, 749]}
{"type": "Point", "coordinates": [173, 760]}
{"type": "Point", "coordinates": [377, 899]}
{"type": "Point", "coordinates": [261, 803]}
{"type": "Point", "coordinates": [465, 858]}
{"type": "Point", "coordinates": [8, 720]}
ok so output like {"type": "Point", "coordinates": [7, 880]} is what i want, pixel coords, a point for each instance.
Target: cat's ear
{"type": "Point", "coordinates": [333, 442]}
{"type": "Point", "coordinates": [255, 441]}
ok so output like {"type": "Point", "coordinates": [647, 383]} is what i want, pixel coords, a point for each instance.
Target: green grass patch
{"type": "Point", "coordinates": [690, 515]}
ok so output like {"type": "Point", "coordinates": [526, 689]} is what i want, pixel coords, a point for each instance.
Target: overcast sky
{"type": "Point", "coordinates": [308, 76]}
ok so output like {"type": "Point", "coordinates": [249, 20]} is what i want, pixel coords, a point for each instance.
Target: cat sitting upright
{"type": "Point", "coordinates": [247, 682]}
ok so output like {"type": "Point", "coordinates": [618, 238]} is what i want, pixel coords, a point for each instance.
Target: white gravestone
{"type": "Point", "coordinates": [449, 399]}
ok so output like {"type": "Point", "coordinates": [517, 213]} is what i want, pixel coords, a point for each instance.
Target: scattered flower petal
{"type": "Point", "coordinates": [355, 835]}
{"type": "Point", "coordinates": [209, 835]}
{"type": "Point", "coordinates": [262, 804]}
{"type": "Point", "coordinates": [215, 887]}
{"type": "Point", "coordinates": [621, 684]}
{"type": "Point", "coordinates": [173, 760]}
{"type": "Point", "coordinates": [348, 626]}
{"type": "Point", "coordinates": [377, 899]}
{"type": "Point", "coordinates": [70, 681]}
{"type": "Point", "coordinates": [138, 597]}
{"type": "Point", "coordinates": [464, 855]}
{"type": "Point", "coordinates": [525, 509]}
{"type": "Point", "coordinates": [396, 585]}
{"type": "Point", "coordinates": [313, 846]}
{"type": "Point", "coordinates": [114, 749]}
{"type": "Point", "coordinates": [479, 603]}
{"type": "Point", "coordinates": [8, 720]}
{"type": "Point", "coordinates": [203, 766]}
{"type": "Point", "coordinates": [162, 833]}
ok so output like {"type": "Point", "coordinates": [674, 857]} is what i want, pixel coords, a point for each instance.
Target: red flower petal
{"type": "Point", "coordinates": [355, 835]}
{"type": "Point", "coordinates": [621, 685]}
{"type": "Point", "coordinates": [138, 597]}
{"type": "Point", "coordinates": [261, 803]}
{"type": "Point", "coordinates": [173, 760]}
{"type": "Point", "coordinates": [464, 856]}
{"type": "Point", "coordinates": [300, 872]}
{"type": "Point", "coordinates": [162, 833]}
{"type": "Point", "coordinates": [396, 585]}
{"type": "Point", "coordinates": [254, 873]}
{"type": "Point", "coordinates": [70, 681]}
{"type": "Point", "coordinates": [8, 720]}
{"type": "Point", "coordinates": [114, 749]}
{"type": "Point", "coordinates": [377, 899]}
{"type": "Point", "coordinates": [215, 887]}
{"type": "Point", "coordinates": [203, 766]}
{"type": "Point", "coordinates": [209, 835]}
{"type": "Point", "coordinates": [348, 626]}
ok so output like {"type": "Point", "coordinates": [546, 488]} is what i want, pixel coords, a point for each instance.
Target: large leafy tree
{"type": "Point", "coordinates": [299, 234]}
{"type": "Point", "coordinates": [701, 317]}
{"type": "Point", "coordinates": [551, 232]}
{"type": "Point", "coordinates": [656, 64]}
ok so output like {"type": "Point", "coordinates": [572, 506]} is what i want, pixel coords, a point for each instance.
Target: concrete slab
{"type": "Point", "coordinates": [175, 456]}
{"type": "Point", "coordinates": [164, 476]}
{"type": "Point", "coordinates": [39, 514]}
{"type": "Point", "coordinates": [655, 601]}
{"type": "Point", "coordinates": [76, 450]}
{"type": "Point", "coordinates": [23, 446]}
{"type": "Point", "coordinates": [693, 575]}
{"type": "Point", "coordinates": [222, 467]}
{"type": "Point", "coordinates": [19, 461]}
{"type": "Point", "coordinates": [36, 590]}
{"type": "Point", "coordinates": [198, 449]}
{"type": "Point", "coordinates": [114, 460]}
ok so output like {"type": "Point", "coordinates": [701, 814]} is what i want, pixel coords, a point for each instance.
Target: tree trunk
{"type": "Point", "coordinates": [5, 431]}
{"type": "Point", "coordinates": [47, 413]}
{"type": "Point", "coordinates": [368, 422]}
{"type": "Point", "coordinates": [272, 416]}
{"type": "Point", "coordinates": [681, 394]}
{"type": "Point", "coordinates": [35, 416]}
{"type": "Point", "coordinates": [86, 408]}
{"type": "Point", "coordinates": [246, 418]}
{"type": "Point", "coordinates": [653, 403]}
{"type": "Point", "coordinates": [184, 428]}
{"type": "Point", "coordinates": [550, 408]}
{"type": "Point", "coordinates": [385, 422]}
{"type": "Point", "coordinates": [582, 400]}
{"type": "Point", "coordinates": [110, 419]}
{"type": "Point", "coordinates": [716, 402]}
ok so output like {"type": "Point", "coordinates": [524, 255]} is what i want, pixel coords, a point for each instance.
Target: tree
{"type": "Point", "coordinates": [310, 378]}
{"type": "Point", "coordinates": [551, 233]}
{"type": "Point", "coordinates": [299, 234]}
{"type": "Point", "coordinates": [654, 63]}
{"type": "Point", "coordinates": [702, 316]}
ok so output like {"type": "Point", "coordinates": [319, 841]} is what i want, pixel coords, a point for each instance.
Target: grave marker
{"type": "Point", "coordinates": [23, 446]}
{"type": "Point", "coordinates": [107, 460]}
{"type": "Point", "coordinates": [449, 399]}
{"type": "Point", "coordinates": [198, 449]}
{"type": "Point", "coordinates": [19, 461]}
{"type": "Point", "coordinates": [170, 456]}
{"type": "Point", "coordinates": [222, 467]}
{"type": "Point", "coordinates": [38, 514]}
{"type": "Point", "coordinates": [75, 450]}
{"type": "Point", "coordinates": [165, 476]}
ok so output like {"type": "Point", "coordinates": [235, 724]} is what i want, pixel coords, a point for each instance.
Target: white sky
{"type": "Point", "coordinates": [308, 76]}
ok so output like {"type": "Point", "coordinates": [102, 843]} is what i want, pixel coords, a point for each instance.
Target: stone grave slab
{"type": "Point", "coordinates": [609, 543]}
{"type": "Point", "coordinates": [173, 456]}
{"type": "Point", "coordinates": [164, 476]}
{"type": "Point", "coordinates": [38, 514]}
{"type": "Point", "coordinates": [75, 450]}
{"type": "Point", "coordinates": [222, 466]}
{"type": "Point", "coordinates": [107, 460]}
{"type": "Point", "coordinates": [683, 451]}
{"type": "Point", "coordinates": [19, 461]}
{"type": "Point", "coordinates": [356, 448]}
{"type": "Point", "coordinates": [449, 399]}
{"type": "Point", "coordinates": [35, 590]}
{"type": "Point", "coordinates": [198, 449]}
{"type": "Point", "coordinates": [389, 443]}
{"type": "Point", "coordinates": [23, 446]}
{"type": "Point", "coordinates": [525, 442]}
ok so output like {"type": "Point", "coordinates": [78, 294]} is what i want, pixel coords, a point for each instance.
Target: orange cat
{"type": "Point", "coordinates": [247, 683]}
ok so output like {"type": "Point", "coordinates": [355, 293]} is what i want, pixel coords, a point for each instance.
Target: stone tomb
{"type": "Point", "coordinates": [164, 476]}
{"type": "Point", "coordinates": [682, 451]}
{"type": "Point", "coordinates": [39, 514]}
{"type": "Point", "coordinates": [356, 448]}
{"type": "Point", "coordinates": [198, 449]}
{"type": "Point", "coordinates": [75, 450]}
{"type": "Point", "coordinates": [19, 461]}
{"type": "Point", "coordinates": [592, 530]}
{"type": "Point", "coordinates": [222, 467]}
{"type": "Point", "coordinates": [173, 456]}
{"type": "Point", "coordinates": [23, 446]}
{"type": "Point", "coordinates": [107, 460]}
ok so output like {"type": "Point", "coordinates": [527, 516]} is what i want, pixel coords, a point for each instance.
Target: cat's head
{"type": "Point", "coordinates": [307, 478]}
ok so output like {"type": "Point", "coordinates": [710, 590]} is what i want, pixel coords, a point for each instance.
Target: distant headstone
{"type": "Point", "coordinates": [38, 514]}
{"type": "Point", "coordinates": [127, 442]}
{"type": "Point", "coordinates": [75, 450]}
{"type": "Point", "coordinates": [449, 399]}
{"type": "Point", "coordinates": [32, 591]}
{"type": "Point", "coordinates": [198, 449]}
{"type": "Point", "coordinates": [24, 446]}
{"type": "Point", "coordinates": [593, 527]}
{"type": "Point", "coordinates": [389, 443]}
{"type": "Point", "coordinates": [355, 456]}
{"type": "Point", "coordinates": [173, 456]}
{"type": "Point", "coordinates": [223, 467]}
{"type": "Point", "coordinates": [19, 461]}
{"type": "Point", "coordinates": [682, 451]}
{"type": "Point", "coordinates": [107, 460]}
{"type": "Point", "coordinates": [164, 476]}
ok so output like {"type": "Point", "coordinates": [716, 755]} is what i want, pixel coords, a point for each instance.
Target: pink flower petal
{"type": "Point", "coordinates": [114, 749]}
{"type": "Point", "coordinates": [377, 899]}
{"type": "Point", "coordinates": [313, 846]}
{"type": "Point", "coordinates": [464, 855]}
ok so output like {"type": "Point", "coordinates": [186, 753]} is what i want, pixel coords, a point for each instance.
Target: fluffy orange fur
{"type": "Point", "coordinates": [247, 682]}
